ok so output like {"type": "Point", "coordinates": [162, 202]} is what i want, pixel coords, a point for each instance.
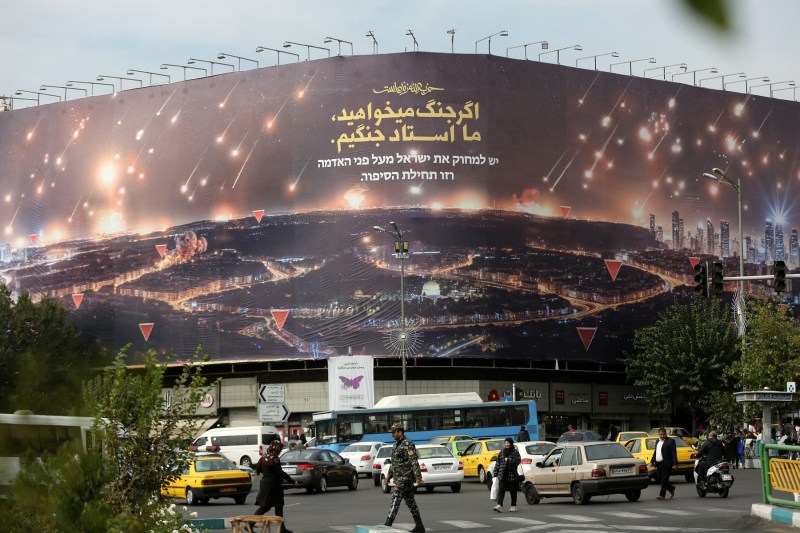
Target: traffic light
{"type": "Point", "coordinates": [779, 277]}
{"type": "Point", "coordinates": [700, 279]}
{"type": "Point", "coordinates": [717, 277]}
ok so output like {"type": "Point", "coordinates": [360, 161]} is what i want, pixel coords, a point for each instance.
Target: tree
{"type": "Point", "coordinates": [684, 354]}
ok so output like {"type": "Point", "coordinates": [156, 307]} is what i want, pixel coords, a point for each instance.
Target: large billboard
{"type": "Point", "coordinates": [549, 210]}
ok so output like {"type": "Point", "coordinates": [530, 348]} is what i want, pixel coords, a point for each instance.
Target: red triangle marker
{"type": "Point", "coordinates": [146, 329]}
{"type": "Point", "coordinates": [33, 238]}
{"type": "Point", "coordinates": [587, 336]}
{"type": "Point", "coordinates": [694, 261]}
{"type": "Point", "coordinates": [280, 316]}
{"type": "Point", "coordinates": [565, 210]}
{"type": "Point", "coordinates": [162, 249]}
{"type": "Point", "coordinates": [258, 213]}
{"type": "Point", "coordinates": [77, 299]}
{"type": "Point", "coordinates": [613, 267]}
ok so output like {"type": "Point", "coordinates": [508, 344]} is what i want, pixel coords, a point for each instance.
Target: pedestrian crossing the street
{"type": "Point", "coordinates": [645, 520]}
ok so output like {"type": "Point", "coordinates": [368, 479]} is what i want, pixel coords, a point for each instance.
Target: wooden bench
{"type": "Point", "coordinates": [248, 523]}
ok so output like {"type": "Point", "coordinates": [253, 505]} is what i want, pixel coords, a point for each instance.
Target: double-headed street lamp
{"type": "Point", "coordinates": [503, 33]}
{"type": "Point", "coordinates": [10, 106]}
{"type": "Point", "coordinates": [558, 52]}
{"type": "Point", "coordinates": [748, 80]}
{"type": "Point", "coordinates": [545, 46]}
{"type": "Point", "coordinates": [650, 60]}
{"type": "Point", "coordinates": [92, 83]}
{"type": "Point", "coordinates": [413, 39]}
{"type": "Point", "coordinates": [788, 82]}
{"type": "Point", "coordinates": [374, 41]}
{"type": "Point", "coordinates": [65, 87]}
{"type": "Point", "coordinates": [720, 177]}
{"type": "Point", "coordinates": [279, 52]}
{"type": "Point", "coordinates": [401, 252]}
{"type": "Point", "coordinates": [681, 66]}
{"type": "Point", "coordinates": [131, 71]}
{"type": "Point", "coordinates": [339, 41]}
{"type": "Point", "coordinates": [223, 55]}
{"type": "Point", "coordinates": [288, 44]}
{"type": "Point", "coordinates": [164, 66]}
{"type": "Point", "coordinates": [452, 34]}
{"type": "Point", "coordinates": [723, 76]}
{"type": "Point", "coordinates": [712, 70]}
{"type": "Point", "coordinates": [38, 95]}
{"type": "Point", "coordinates": [612, 54]}
{"type": "Point", "coordinates": [192, 61]}
{"type": "Point", "coordinates": [101, 77]}
{"type": "Point", "coordinates": [794, 89]}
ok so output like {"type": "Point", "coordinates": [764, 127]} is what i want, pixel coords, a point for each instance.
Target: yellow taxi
{"type": "Point", "coordinates": [625, 436]}
{"type": "Point", "coordinates": [209, 475]}
{"type": "Point", "coordinates": [477, 456]}
{"type": "Point", "coordinates": [645, 447]}
{"type": "Point", "coordinates": [677, 432]}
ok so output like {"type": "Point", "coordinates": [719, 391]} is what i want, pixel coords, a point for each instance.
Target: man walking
{"type": "Point", "coordinates": [665, 457]}
{"type": "Point", "coordinates": [523, 435]}
{"type": "Point", "coordinates": [405, 471]}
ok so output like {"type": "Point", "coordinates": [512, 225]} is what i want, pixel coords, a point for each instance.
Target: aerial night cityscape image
{"type": "Point", "coordinates": [549, 210]}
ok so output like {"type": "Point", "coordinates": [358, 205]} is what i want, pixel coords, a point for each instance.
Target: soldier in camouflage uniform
{"type": "Point", "coordinates": [405, 471]}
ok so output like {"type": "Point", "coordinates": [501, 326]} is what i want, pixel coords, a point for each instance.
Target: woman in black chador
{"type": "Point", "coordinates": [270, 492]}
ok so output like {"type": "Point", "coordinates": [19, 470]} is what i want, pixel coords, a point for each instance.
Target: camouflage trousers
{"type": "Point", "coordinates": [403, 490]}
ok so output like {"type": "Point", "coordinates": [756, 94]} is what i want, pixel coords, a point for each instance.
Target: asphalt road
{"type": "Point", "coordinates": [340, 510]}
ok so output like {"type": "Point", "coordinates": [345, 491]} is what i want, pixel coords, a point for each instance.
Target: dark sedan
{"type": "Point", "coordinates": [584, 435]}
{"type": "Point", "coordinates": [317, 469]}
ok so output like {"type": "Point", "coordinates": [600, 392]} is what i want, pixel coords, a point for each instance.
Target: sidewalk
{"type": "Point", "coordinates": [773, 513]}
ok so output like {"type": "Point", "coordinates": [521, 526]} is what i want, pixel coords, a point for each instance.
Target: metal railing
{"type": "Point", "coordinates": [780, 474]}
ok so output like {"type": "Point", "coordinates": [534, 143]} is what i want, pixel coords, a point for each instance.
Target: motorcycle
{"type": "Point", "coordinates": [718, 479]}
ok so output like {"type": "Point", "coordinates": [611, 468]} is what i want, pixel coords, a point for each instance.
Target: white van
{"type": "Point", "coordinates": [242, 445]}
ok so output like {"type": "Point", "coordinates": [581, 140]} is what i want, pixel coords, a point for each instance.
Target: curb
{"type": "Point", "coordinates": [774, 513]}
{"type": "Point", "coordinates": [211, 523]}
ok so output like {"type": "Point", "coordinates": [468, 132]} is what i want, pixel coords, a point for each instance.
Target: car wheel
{"type": "Point", "coordinates": [579, 496]}
{"type": "Point", "coordinates": [429, 489]}
{"type": "Point", "coordinates": [689, 477]}
{"type": "Point", "coordinates": [240, 499]}
{"type": "Point", "coordinates": [633, 496]}
{"type": "Point", "coordinates": [531, 496]}
{"type": "Point", "coordinates": [322, 485]}
{"type": "Point", "coordinates": [481, 474]}
{"type": "Point", "coordinates": [455, 487]}
{"type": "Point", "coordinates": [377, 481]}
{"type": "Point", "coordinates": [245, 461]}
{"type": "Point", "coordinates": [191, 498]}
{"type": "Point", "coordinates": [385, 486]}
{"type": "Point", "coordinates": [353, 485]}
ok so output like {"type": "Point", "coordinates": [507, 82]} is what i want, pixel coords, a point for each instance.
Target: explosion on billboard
{"type": "Point", "coordinates": [187, 245]}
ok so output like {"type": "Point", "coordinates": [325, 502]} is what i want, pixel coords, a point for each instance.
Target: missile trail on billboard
{"type": "Point", "coordinates": [244, 164]}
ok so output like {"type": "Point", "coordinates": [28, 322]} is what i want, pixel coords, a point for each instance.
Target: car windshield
{"type": "Point", "coordinates": [437, 440]}
{"type": "Point", "coordinates": [679, 443]}
{"type": "Point", "coordinates": [213, 465]}
{"type": "Point", "coordinates": [539, 449]}
{"type": "Point", "coordinates": [495, 445]}
{"type": "Point", "coordinates": [299, 455]}
{"type": "Point", "coordinates": [461, 445]}
{"type": "Point", "coordinates": [358, 448]}
{"type": "Point", "coordinates": [610, 450]}
{"type": "Point", "coordinates": [385, 451]}
{"type": "Point", "coordinates": [438, 451]}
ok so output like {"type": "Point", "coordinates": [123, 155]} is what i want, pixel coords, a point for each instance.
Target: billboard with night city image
{"type": "Point", "coordinates": [550, 211]}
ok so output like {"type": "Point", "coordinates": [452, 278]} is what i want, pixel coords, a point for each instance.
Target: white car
{"type": "Point", "coordinates": [530, 453]}
{"type": "Point", "coordinates": [384, 454]}
{"type": "Point", "coordinates": [362, 455]}
{"type": "Point", "coordinates": [438, 467]}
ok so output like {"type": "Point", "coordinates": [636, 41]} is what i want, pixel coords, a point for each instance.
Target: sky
{"type": "Point", "coordinates": [52, 41]}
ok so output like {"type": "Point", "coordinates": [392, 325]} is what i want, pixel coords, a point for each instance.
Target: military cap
{"type": "Point", "coordinates": [397, 427]}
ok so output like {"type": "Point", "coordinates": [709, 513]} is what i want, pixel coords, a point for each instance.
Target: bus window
{"type": "Point", "coordinates": [498, 417]}
{"type": "Point", "coordinates": [519, 415]}
{"type": "Point", "coordinates": [452, 418]}
{"type": "Point", "coordinates": [350, 427]}
{"type": "Point", "coordinates": [326, 431]}
{"type": "Point", "coordinates": [426, 420]}
{"type": "Point", "coordinates": [377, 423]}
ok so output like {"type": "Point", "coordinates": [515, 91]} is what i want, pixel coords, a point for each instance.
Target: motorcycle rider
{"type": "Point", "coordinates": [711, 452]}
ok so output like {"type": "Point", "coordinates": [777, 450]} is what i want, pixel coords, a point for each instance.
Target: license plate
{"type": "Point", "coordinates": [289, 469]}
{"type": "Point", "coordinates": [618, 471]}
{"type": "Point", "coordinates": [727, 477]}
{"type": "Point", "coordinates": [228, 489]}
{"type": "Point", "coordinates": [441, 467]}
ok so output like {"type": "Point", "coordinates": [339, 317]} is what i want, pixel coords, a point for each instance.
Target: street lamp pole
{"type": "Point", "coordinates": [184, 67]}
{"type": "Point", "coordinates": [288, 44]}
{"type": "Point", "coordinates": [663, 70]}
{"type": "Point", "coordinates": [340, 41]}
{"type": "Point", "coordinates": [66, 88]}
{"type": "Point", "coordinates": [558, 52]}
{"type": "Point", "coordinates": [20, 91]}
{"type": "Point", "coordinates": [131, 71]}
{"type": "Point", "coordinates": [374, 41]}
{"type": "Point", "coordinates": [223, 55]}
{"type": "Point", "coordinates": [413, 39]}
{"type": "Point", "coordinates": [279, 52]}
{"type": "Point", "coordinates": [713, 70]}
{"type": "Point", "coordinates": [193, 60]}
{"type": "Point", "coordinates": [630, 64]}
{"type": "Point", "coordinates": [612, 54]}
{"type": "Point", "coordinates": [739, 74]}
{"type": "Point", "coordinates": [525, 46]}
{"type": "Point", "coordinates": [452, 34]}
{"type": "Point", "coordinates": [789, 82]}
{"type": "Point", "coordinates": [101, 77]}
{"type": "Point", "coordinates": [720, 177]}
{"type": "Point", "coordinates": [503, 33]}
{"type": "Point", "coordinates": [401, 252]}
{"type": "Point", "coordinates": [92, 83]}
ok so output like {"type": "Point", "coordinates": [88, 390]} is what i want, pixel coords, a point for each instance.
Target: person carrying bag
{"type": "Point", "coordinates": [505, 475]}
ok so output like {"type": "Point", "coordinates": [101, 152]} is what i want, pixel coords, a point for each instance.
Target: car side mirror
{"type": "Point", "coordinates": [539, 464]}
{"type": "Point", "coordinates": [387, 462]}
{"type": "Point", "coordinates": [345, 460]}
{"type": "Point", "coordinates": [494, 458]}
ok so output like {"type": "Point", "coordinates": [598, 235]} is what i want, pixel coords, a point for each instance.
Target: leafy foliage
{"type": "Point", "coordinates": [713, 11]}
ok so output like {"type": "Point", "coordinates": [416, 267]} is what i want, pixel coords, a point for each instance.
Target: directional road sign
{"type": "Point", "coordinates": [271, 393]}
{"type": "Point", "coordinates": [273, 412]}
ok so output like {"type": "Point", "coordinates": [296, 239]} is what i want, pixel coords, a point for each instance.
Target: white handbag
{"type": "Point", "coordinates": [495, 490]}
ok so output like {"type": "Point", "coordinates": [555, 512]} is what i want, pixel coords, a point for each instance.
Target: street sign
{"type": "Point", "coordinates": [271, 393]}
{"type": "Point", "coordinates": [791, 386]}
{"type": "Point", "coordinates": [273, 412]}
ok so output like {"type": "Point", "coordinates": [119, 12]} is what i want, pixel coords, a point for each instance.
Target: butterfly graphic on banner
{"type": "Point", "coordinates": [351, 383]}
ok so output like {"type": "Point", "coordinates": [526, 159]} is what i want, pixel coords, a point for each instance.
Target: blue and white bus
{"type": "Point", "coordinates": [425, 416]}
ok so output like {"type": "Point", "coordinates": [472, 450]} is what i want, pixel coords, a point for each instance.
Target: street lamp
{"type": "Point", "coordinates": [38, 95]}
{"type": "Point", "coordinates": [739, 74]}
{"type": "Point", "coordinates": [132, 70]}
{"type": "Point", "coordinates": [192, 61]}
{"type": "Point", "coordinates": [789, 82]}
{"type": "Point", "coordinates": [503, 33]}
{"type": "Point", "coordinates": [794, 89]}
{"type": "Point", "coordinates": [374, 41]}
{"type": "Point", "coordinates": [650, 60]}
{"type": "Point", "coordinates": [452, 34]}
{"type": "Point", "coordinates": [184, 67]}
{"type": "Point", "coordinates": [748, 80]}
{"type": "Point", "coordinates": [612, 54]}
{"type": "Point", "coordinates": [401, 252]}
{"type": "Point", "coordinates": [288, 44]}
{"type": "Point", "coordinates": [279, 52]}
{"type": "Point", "coordinates": [720, 177]}
{"type": "Point", "coordinates": [713, 70]}
{"type": "Point", "coordinates": [413, 39]}
{"type": "Point", "coordinates": [92, 83]}
{"type": "Point", "coordinates": [339, 41]}
{"type": "Point", "coordinates": [223, 55]}
{"type": "Point", "coordinates": [10, 106]}
{"type": "Point", "coordinates": [681, 66]}
{"type": "Point", "coordinates": [101, 77]}
{"type": "Point", "coordinates": [558, 52]}
{"type": "Point", "coordinates": [66, 88]}
{"type": "Point", "coordinates": [525, 46]}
